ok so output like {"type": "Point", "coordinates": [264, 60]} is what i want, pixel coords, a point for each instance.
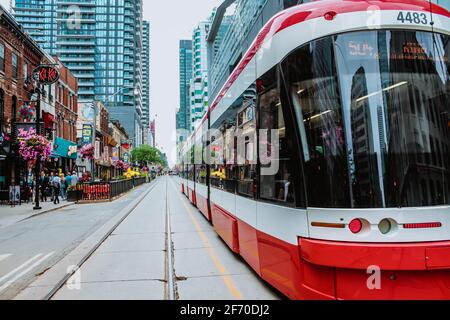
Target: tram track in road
{"type": "Point", "coordinates": [171, 288]}
{"type": "Point", "coordinates": [211, 253]}
{"type": "Point", "coordinates": [86, 257]}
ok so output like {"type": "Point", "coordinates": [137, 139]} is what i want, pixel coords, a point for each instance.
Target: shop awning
{"type": "Point", "coordinates": [64, 149]}
{"type": "Point", "coordinates": [48, 120]}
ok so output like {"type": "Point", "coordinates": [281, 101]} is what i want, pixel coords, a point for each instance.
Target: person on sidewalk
{"type": "Point", "coordinates": [63, 187]}
{"type": "Point", "coordinates": [43, 182]}
{"type": "Point", "coordinates": [56, 188]}
{"type": "Point", "coordinates": [74, 179]}
{"type": "Point", "coordinates": [50, 185]}
{"type": "Point", "coordinates": [68, 179]}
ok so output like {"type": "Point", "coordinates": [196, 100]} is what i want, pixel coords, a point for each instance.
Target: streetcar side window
{"type": "Point", "coordinates": [278, 187]}
{"type": "Point", "coordinates": [223, 168]}
{"type": "Point", "coordinates": [200, 166]}
{"type": "Point", "coordinates": [312, 85]}
{"type": "Point", "coordinates": [217, 165]}
{"type": "Point", "coordinates": [230, 155]}
{"type": "Point", "coordinates": [246, 145]}
{"type": "Point", "coordinates": [191, 165]}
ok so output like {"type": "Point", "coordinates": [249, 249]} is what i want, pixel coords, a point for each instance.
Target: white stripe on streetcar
{"type": "Point", "coordinates": [34, 265]}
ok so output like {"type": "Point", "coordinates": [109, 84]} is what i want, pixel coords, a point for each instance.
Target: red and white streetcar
{"type": "Point", "coordinates": [358, 92]}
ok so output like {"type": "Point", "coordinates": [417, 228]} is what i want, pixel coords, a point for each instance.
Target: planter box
{"type": "Point", "coordinates": [73, 196]}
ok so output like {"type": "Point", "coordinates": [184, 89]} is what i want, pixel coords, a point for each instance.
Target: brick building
{"type": "Point", "coordinates": [65, 119]}
{"type": "Point", "coordinates": [19, 55]}
{"type": "Point", "coordinates": [103, 163]}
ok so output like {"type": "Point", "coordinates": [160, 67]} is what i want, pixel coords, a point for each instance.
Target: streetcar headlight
{"type": "Point", "coordinates": [385, 226]}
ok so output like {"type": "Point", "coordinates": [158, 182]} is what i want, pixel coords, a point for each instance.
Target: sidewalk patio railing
{"type": "Point", "coordinates": [106, 191]}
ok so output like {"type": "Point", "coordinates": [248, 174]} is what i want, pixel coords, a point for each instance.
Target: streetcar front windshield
{"type": "Point", "coordinates": [372, 109]}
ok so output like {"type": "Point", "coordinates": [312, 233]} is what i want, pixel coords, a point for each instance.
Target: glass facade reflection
{"type": "Point", "coordinates": [372, 110]}
{"type": "Point", "coordinates": [183, 115]}
{"type": "Point", "coordinates": [100, 41]}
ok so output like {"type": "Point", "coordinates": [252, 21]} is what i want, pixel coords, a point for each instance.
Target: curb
{"type": "Point", "coordinates": [46, 286]}
{"type": "Point", "coordinates": [48, 211]}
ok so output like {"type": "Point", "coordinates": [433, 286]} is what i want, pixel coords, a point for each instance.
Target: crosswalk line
{"type": "Point", "coordinates": [4, 256]}
{"type": "Point", "coordinates": [23, 265]}
{"type": "Point", "coordinates": [34, 265]}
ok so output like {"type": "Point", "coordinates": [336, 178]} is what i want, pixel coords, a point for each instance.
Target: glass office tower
{"type": "Point", "coordinates": [100, 41]}
{"type": "Point", "coordinates": [183, 115]}
{"type": "Point", "coordinates": [146, 79]}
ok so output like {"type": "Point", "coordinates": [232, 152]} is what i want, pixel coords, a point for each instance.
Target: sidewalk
{"type": "Point", "coordinates": [11, 215]}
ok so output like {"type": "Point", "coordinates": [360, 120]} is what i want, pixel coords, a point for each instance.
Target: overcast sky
{"type": "Point", "coordinates": [170, 21]}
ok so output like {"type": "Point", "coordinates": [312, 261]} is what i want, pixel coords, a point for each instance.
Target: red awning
{"type": "Point", "coordinates": [48, 120]}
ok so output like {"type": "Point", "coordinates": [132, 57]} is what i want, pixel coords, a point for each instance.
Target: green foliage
{"type": "Point", "coordinates": [148, 155]}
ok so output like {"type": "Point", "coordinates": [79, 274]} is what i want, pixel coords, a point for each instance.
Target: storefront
{"type": "Point", "coordinates": [64, 155]}
{"type": "Point", "coordinates": [4, 168]}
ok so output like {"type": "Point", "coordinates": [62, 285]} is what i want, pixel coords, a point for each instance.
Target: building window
{"type": "Point", "coordinates": [2, 57]}
{"type": "Point", "coordinates": [25, 73]}
{"type": "Point", "coordinates": [2, 109]}
{"type": "Point", "coordinates": [15, 71]}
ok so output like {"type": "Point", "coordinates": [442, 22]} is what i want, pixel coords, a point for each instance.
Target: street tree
{"type": "Point", "coordinates": [147, 155]}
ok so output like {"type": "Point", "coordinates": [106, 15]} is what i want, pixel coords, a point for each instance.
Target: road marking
{"type": "Point", "coordinates": [34, 265]}
{"type": "Point", "coordinates": [212, 253]}
{"type": "Point", "coordinates": [20, 267]}
{"type": "Point", "coordinates": [171, 292]}
{"type": "Point", "coordinates": [4, 256]}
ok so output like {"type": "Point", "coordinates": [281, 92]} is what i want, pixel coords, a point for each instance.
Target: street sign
{"type": "Point", "coordinates": [87, 134]}
{"type": "Point", "coordinates": [46, 74]}
{"type": "Point", "coordinates": [115, 154]}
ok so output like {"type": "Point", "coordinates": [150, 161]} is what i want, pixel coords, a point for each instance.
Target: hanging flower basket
{"type": "Point", "coordinates": [26, 113]}
{"type": "Point", "coordinates": [119, 165]}
{"type": "Point", "coordinates": [87, 152]}
{"type": "Point", "coordinates": [33, 146]}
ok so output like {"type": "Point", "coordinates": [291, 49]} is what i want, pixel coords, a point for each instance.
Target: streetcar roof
{"type": "Point", "coordinates": [308, 11]}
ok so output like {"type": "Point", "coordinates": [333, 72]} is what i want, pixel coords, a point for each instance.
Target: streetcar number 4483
{"type": "Point", "coordinates": [412, 17]}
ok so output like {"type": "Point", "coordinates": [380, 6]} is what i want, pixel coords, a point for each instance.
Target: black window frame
{"type": "Point", "coordinates": [2, 58]}
{"type": "Point", "coordinates": [298, 189]}
{"type": "Point", "coordinates": [15, 69]}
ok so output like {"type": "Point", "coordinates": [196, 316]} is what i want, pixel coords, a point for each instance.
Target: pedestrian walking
{"type": "Point", "coordinates": [68, 179]}
{"type": "Point", "coordinates": [51, 187]}
{"type": "Point", "coordinates": [63, 187]}
{"type": "Point", "coordinates": [56, 188]}
{"type": "Point", "coordinates": [43, 182]}
{"type": "Point", "coordinates": [74, 179]}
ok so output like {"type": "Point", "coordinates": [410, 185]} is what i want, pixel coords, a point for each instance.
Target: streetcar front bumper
{"type": "Point", "coordinates": [344, 270]}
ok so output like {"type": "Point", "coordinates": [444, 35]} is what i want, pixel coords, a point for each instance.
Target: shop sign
{"type": "Point", "coordinates": [86, 134]}
{"type": "Point", "coordinates": [46, 74]}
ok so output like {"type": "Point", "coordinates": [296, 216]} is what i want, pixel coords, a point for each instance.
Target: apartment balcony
{"type": "Point", "coordinates": [82, 11]}
{"type": "Point", "coordinates": [77, 59]}
{"type": "Point", "coordinates": [83, 68]}
{"type": "Point", "coordinates": [81, 20]}
{"type": "Point", "coordinates": [76, 51]}
{"type": "Point", "coordinates": [81, 76]}
{"type": "Point", "coordinates": [85, 92]}
{"type": "Point", "coordinates": [75, 43]}
{"type": "Point", "coordinates": [77, 36]}
{"type": "Point", "coordinates": [83, 4]}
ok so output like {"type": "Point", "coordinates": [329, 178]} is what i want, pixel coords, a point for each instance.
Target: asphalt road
{"type": "Point", "coordinates": [30, 247]}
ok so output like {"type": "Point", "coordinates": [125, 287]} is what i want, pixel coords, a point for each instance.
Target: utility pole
{"type": "Point", "coordinates": [42, 75]}
{"type": "Point", "coordinates": [37, 169]}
